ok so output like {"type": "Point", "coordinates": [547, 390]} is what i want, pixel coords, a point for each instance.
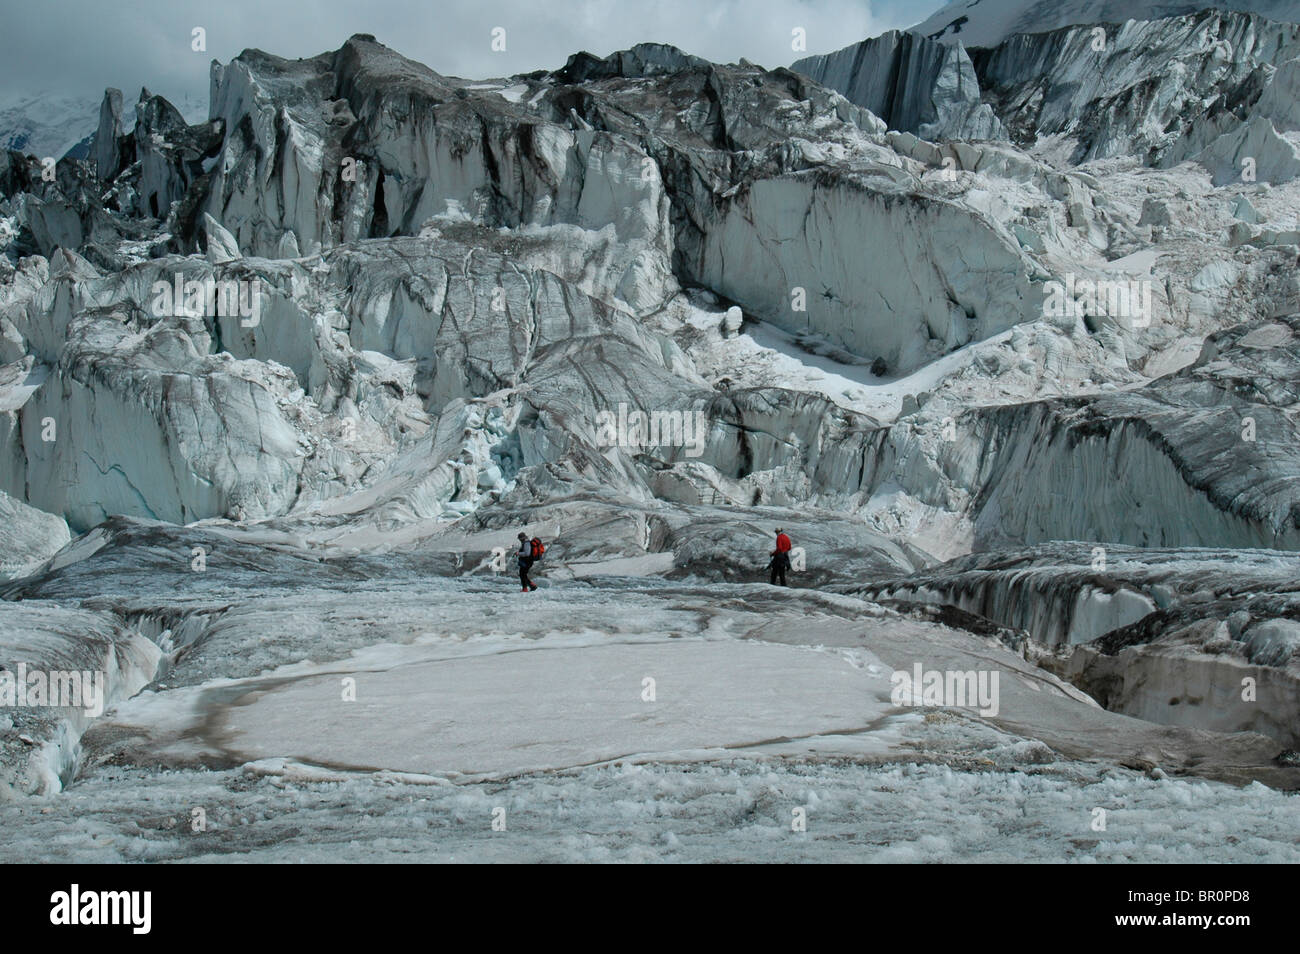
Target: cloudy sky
{"type": "Point", "coordinates": [82, 46]}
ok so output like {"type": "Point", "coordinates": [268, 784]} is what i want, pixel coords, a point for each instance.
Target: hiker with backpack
{"type": "Point", "coordinates": [530, 551]}
{"type": "Point", "coordinates": [780, 557]}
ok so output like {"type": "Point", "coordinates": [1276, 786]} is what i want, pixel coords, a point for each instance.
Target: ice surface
{"type": "Point", "coordinates": [535, 708]}
{"type": "Point", "coordinates": [737, 810]}
{"type": "Point", "coordinates": [778, 698]}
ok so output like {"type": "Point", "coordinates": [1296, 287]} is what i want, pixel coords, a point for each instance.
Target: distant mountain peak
{"type": "Point", "coordinates": [46, 123]}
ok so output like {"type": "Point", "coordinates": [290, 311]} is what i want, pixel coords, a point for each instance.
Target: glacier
{"type": "Point", "coordinates": [988, 315]}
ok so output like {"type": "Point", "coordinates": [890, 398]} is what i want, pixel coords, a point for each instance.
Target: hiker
{"type": "Point", "coordinates": [780, 557]}
{"type": "Point", "coordinates": [525, 561]}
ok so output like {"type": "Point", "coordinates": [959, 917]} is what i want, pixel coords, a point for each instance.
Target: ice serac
{"type": "Point", "coordinates": [1203, 457]}
{"type": "Point", "coordinates": [171, 154]}
{"type": "Point", "coordinates": [1254, 150]}
{"type": "Point", "coordinates": [168, 412]}
{"type": "Point", "coordinates": [114, 411]}
{"type": "Point", "coordinates": [365, 143]}
{"type": "Point", "coordinates": [107, 151]}
{"type": "Point", "coordinates": [633, 195]}
{"type": "Point", "coordinates": [776, 186]}
{"type": "Point", "coordinates": [915, 84]}
{"type": "Point", "coordinates": [866, 254]}
{"type": "Point", "coordinates": [1280, 101]}
{"type": "Point", "coordinates": [178, 442]}
{"type": "Point", "coordinates": [62, 212]}
{"type": "Point", "coordinates": [418, 242]}
{"type": "Point", "coordinates": [1148, 87]}
{"type": "Point", "coordinates": [642, 60]}
{"type": "Point", "coordinates": [31, 537]}
{"type": "Point", "coordinates": [221, 245]}
{"type": "Point", "coordinates": [985, 23]}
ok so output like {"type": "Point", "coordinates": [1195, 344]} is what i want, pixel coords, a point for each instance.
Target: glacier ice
{"type": "Point", "coordinates": [281, 382]}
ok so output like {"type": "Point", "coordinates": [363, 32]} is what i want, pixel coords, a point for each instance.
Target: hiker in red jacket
{"type": "Point", "coordinates": [780, 557]}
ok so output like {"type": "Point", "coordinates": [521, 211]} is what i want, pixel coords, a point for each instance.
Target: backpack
{"type": "Point", "coordinates": [537, 548]}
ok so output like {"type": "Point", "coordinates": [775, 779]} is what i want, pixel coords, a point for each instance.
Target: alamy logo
{"type": "Point", "coordinates": [1129, 301]}
{"type": "Point", "coordinates": [637, 429]}
{"type": "Point", "coordinates": [228, 298]}
{"type": "Point", "coordinates": [951, 688]}
{"type": "Point", "coordinates": [58, 688]}
{"type": "Point", "coordinates": [102, 907]}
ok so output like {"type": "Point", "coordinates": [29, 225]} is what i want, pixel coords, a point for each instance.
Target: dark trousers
{"type": "Point", "coordinates": [523, 577]}
{"type": "Point", "coordinates": [779, 564]}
